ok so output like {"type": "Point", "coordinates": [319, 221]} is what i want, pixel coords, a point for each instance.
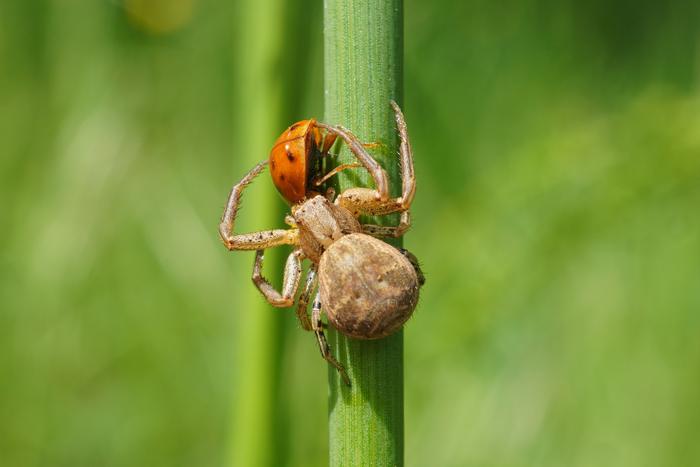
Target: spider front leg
{"type": "Point", "coordinates": [290, 283]}
{"type": "Point", "coordinates": [357, 148]}
{"type": "Point", "coordinates": [371, 202]}
{"type": "Point", "coordinates": [254, 240]}
{"type": "Point", "coordinates": [328, 141]}
{"type": "Point", "coordinates": [317, 325]}
{"type": "Point", "coordinates": [318, 181]}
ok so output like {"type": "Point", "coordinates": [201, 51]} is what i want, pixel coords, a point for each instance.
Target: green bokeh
{"type": "Point", "coordinates": [557, 219]}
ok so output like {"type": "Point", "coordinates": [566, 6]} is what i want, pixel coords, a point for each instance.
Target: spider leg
{"type": "Point", "coordinates": [304, 299]}
{"type": "Point", "coordinates": [290, 283]}
{"type": "Point", "coordinates": [262, 239]}
{"type": "Point", "coordinates": [367, 201]}
{"type": "Point", "coordinates": [318, 181]}
{"type": "Point", "coordinates": [253, 240]}
{"type": "Point", "coordinates": [364, 201]}
{"type": "Point", "coordinates": [389, 231]}
{"type": "Point", "coordinates": [329, 140]}
{"type": "Point", "coordinates": [414, 262]}
{"type": "Point", "coordinates": [355, 145]}
{"type": "Point", "coordinates": [381, 191]}
{"type": "Point", "coordinates": [408, 176]}
{"type": "Point", "coordinates": [317, 325]}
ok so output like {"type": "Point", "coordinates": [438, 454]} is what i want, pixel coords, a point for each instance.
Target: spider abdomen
{"type": "Point", "coordinates": [369, 289]}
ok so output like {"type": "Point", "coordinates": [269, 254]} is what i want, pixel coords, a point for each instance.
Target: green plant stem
{"type": "Point", "coordinates": [363, 72]}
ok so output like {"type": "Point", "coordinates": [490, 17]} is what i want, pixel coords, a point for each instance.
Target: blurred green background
{"type": "Point", "coordinates": [557, 218]}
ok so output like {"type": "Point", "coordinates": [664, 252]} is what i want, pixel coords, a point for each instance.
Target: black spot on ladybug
{"type": "Point", "coordinates": [282, 177]}
{"type": "Point", "coordinates": [290, 156]}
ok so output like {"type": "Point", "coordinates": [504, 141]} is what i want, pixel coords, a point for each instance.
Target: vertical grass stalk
{"type": "Point", "coordinates": [363, 61]}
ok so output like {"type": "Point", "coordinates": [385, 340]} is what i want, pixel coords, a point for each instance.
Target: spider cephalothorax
{"type": "Point", "coordinates": [368, 288]}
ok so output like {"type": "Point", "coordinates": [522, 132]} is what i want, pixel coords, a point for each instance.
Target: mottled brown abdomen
{"type": "Point", "coordinates": [368, 288]}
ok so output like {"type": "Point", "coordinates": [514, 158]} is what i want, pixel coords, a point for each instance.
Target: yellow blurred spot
{"type": "Point", "coordinates": [159, 16]}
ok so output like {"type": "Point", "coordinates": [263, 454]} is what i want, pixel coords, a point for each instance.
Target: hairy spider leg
{"type": "Point", "coordinates": [369, 201]}
{"type": "Point", "coordinates": [416, 266]}
{"type": "Point", "coordinates": [321, 338]}
{"type": "Point", "coordinates": [303, 302]}
{"type": "Point", "coordinates": [320, 180]}
{"type": "Point", "coordinates": [290, 282]}
{"type": "Point", "coordinates": [408, 176]}
{"type": "Point", "coordinates": [368, 162]}
{"type": "Point", "coordinates": [387, 230]}
{"type": "Point", "coordinates": [254, 240]}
